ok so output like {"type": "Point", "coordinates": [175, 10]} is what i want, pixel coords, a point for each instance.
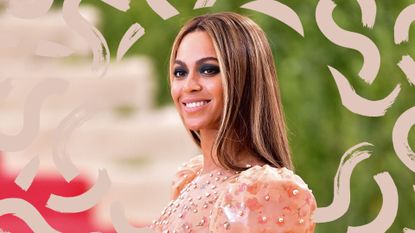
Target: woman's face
{"type": "Point", "coordinates": [196, 84]}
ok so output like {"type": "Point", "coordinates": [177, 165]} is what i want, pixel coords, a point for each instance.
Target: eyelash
{"type": "Point", "coordinates": [177, 71]}
{"type": "Point", "coordinates": [211, 71]}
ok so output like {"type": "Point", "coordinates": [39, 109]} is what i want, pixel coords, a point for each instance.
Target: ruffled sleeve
{"type": "Point", "coordinates": [264, 199]}
{"type": "Point", "coordinates": [185, 174]}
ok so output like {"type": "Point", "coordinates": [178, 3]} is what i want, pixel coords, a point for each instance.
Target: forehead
{"type": "Point", "coordinates": [194, 46]}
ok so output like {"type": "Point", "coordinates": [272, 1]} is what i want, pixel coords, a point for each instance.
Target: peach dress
{"type": "Point", "coordinates": [261, 199]}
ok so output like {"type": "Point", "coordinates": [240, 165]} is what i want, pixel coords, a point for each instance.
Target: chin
{"type": "Point", "coordinates": [197, 127]}
{"type": "Point", "coordinates": [196, 124]}
{"type": "Point", "coordinates": [193, 126]}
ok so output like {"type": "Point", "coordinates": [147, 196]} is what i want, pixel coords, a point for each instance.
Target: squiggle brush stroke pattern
{"type": "Point", "coordinates": [163, 8]}
{"type": "Point", "coordinates": [94, 38]}
{"type": "Point", "coordinates": [341, 198]}
{"type": "Point", "coordinates": [340, 204]}
{"type": "Point", "coordinates": [131, 36]}
{"type": "Point", "coordinates": [403, 23]}
{"type": "Point", "coordinates": [26, 212]}
{"type": "Point", "coordinates": [122, 5]}
{"type": "Point", "coordinates": [27, 174]}
{"type": "Point", "coordinates": [84, 201]}
{"type": "Point", "coordinates": [408, 230]}
{"type": "Point", "coordinates": [71, 122]}
{"type": "Point", "coordinates": [359, 105]}
{"type": "Point", "coordinates": [119, 220]}
{"type": "Point", "coordinates": [401, 34]}
{"type": "Point", "coordinates": [278, 11]}
{"type": "Point", "coordinates": [400, 135]}
{"type": "Point", "coordinates": [387, 213]}
{"type": "Point", "coordinates": [368, 8]}
{"type": "Point", "coordinates": [204, 3]}
{"type": "Point", "coordinates": [31, 114]}
{"type": "Point", "coordinates": [407, 65]}
{"type": "Point", "coordinates": [352, 40]}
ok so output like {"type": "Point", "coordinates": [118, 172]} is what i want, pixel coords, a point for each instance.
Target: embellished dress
{"type": "Point", "coordinates": [261, 199]}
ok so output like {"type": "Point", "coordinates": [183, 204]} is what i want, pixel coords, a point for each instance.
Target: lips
{"type": "Point", "coordinates": [194, 104]}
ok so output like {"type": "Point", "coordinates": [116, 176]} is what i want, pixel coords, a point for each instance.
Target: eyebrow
{"type": "Point", "coordinates": [198, 62]}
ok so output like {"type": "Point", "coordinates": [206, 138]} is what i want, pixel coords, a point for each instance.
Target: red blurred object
{"type": "Point", "coordinates": [38, 194]}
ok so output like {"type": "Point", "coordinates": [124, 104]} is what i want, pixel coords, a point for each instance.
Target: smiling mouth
{"type": "Point", "coordinates": [196, 104]}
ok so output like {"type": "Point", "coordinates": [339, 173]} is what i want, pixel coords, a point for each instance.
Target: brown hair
{"type": "Point", "coordinates": [253, 118]}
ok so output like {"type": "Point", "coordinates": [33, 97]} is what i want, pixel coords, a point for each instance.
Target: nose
{"type": "Point", "coordinates": [192, 83]}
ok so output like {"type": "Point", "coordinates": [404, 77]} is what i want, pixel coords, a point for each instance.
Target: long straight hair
{"type": "Point", "coordinates": [253, 118]}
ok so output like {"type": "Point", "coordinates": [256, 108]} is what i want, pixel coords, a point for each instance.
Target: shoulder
{"type": "Point", "coordinates": [265, 199]}
{"type": "Point", "coordinates": [185, 174]}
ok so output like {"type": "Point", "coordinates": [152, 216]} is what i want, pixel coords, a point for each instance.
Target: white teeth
{"type": "Point", "coordinates": [196, 104]}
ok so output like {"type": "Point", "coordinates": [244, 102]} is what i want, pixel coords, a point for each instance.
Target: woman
{"type": "Point", "coordinates": [223, 83]}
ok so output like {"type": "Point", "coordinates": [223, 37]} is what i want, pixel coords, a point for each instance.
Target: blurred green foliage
{"type": "Point", "coordinates": [321, 128]}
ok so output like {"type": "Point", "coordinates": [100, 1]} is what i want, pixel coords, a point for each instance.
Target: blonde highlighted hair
{"type": "Point", "coordinates": [253, 118]}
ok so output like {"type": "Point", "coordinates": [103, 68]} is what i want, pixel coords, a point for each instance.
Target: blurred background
{"type": "Point", "coordinates": [138, 136]}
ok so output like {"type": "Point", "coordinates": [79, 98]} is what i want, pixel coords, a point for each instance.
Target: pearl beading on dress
{"type": "Point", "coordinates": [197, 204]}
{"type": "Point", "coordinates": [206, 187]}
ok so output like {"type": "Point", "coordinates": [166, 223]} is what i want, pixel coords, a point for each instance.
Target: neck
{"type": "Point", "coordinates": [207, 139]}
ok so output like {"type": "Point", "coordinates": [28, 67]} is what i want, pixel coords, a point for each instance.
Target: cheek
{"type": "Point", "coordinates": [218, 90]}
{"type": "Point", "coordinates": [222, 102]}
{"type": "Point", "coordinates": [175, 92]}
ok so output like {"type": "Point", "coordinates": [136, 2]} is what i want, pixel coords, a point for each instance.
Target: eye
{"type": "Point", "coordinates": [179, 72]}
{"type": "Point", "coordinates": [209, 70]}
